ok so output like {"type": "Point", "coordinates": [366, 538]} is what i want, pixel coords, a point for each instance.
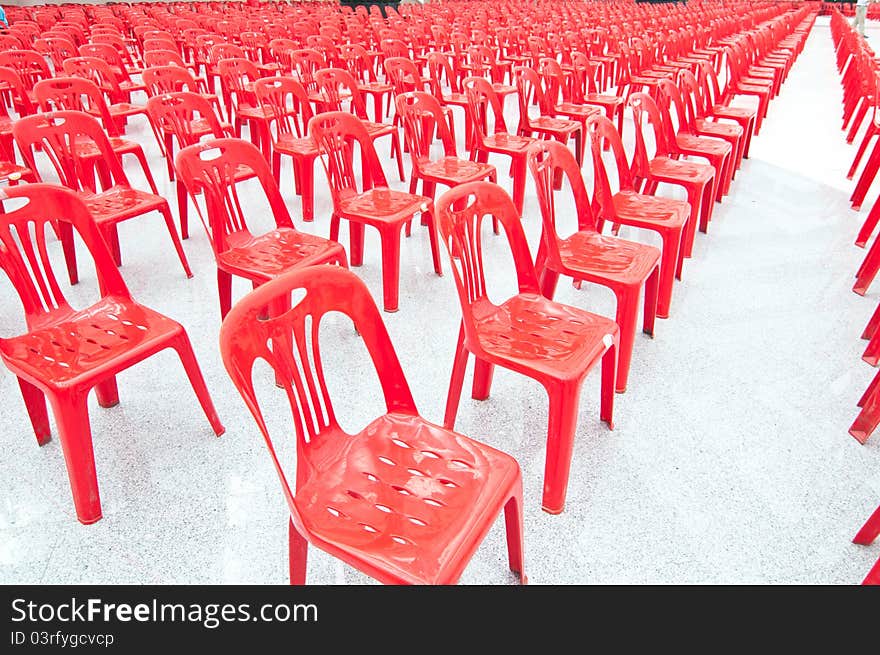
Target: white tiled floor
{"type": "Point", "coordinates": [730, 460]}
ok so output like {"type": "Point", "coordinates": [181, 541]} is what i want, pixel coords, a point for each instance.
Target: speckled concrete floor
{"type": "Point", "coordinates": [730, 460]}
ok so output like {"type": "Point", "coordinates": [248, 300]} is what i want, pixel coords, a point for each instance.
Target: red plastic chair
{"type": "Point", "coordinates": [335, 86]}
{"type": "Point", "coordinates": [111, 55]}
{"type": "Point", "coordinates": [742, 116]}
{"type": "Point", "coordinates": [369, 202]}
{"type": "Point", "coordinates": [530, 91]}
{"type": "Point", "coordinates": [683, 141]}
{"type": "Point", "coordinates": [29, 64]}
{"type": "Point", "coordinates": [287, 102]}
{"type": "Point", "coordinates": [665, 216]}
{"type": "Point", "coordinates": [67, 352]}
{"type": "Point", "coordinates": [625, 267]}
{"type": "Point", "coordinates": [481, 101]}
{"type": "Point", "coordinates": [697, 179]}
{"type": "Point", "coordinates": [554, 344]}
{"type": "Point", "coordinates": [865, 537]}
{"type": "Point", "coordinates": [78, 94]}
{"type": "Point", "coordinates": [421, 114]}
{"type": "Point", "coordinates": [60, 134]}
{"type": "Point", "coordinates": [213, 168]}
{"type": "Point", "coordinates": [403, 500]}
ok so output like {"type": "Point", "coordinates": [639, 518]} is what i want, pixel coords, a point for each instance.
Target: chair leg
{"type": "Point", "coordinates": [652, 284]}
{"type": "Point", "coordinates": [868, 269]}
{"type": "Point", "coordinates": [482, 384]}
{"type": "Point", "coordinates": [627, 318]}
{"type": "Point", "coordinates": [298, 552]}
{"type": "Point", "coordinates": [513, 521]}
{"type": "Point", "coordinates": [868, 226]}
{"type": "Point", "coordinates": [183, 209]}
{"type": "Point", "coordinates": [459, 365]}
{"type": "Point", "coordinates": [873, 324]}
{"type": "Point", "coordinates": [869, 416]}
{"type": "Point", "coordinates": [107, 392]}
{"type": "Point", "coordinates": [390, 238]}
{"type": "Point", "coordinates": [609, 371]}
{"type": "Point", "coordinates": [184, 350]}
{"type": "Point", "coordinates": [870, 530]}
{"type": "Point", "coordinates": [307, 189]}
{"type": "Point", "coordinates": [518, 173]}
{"type": "Point", "coordinates": [668, 264]}
{"type": "Point", "coordinates": [35, 403]}
{"type": "Point", "coordinates": [72, 418]}
{"type": "Point", "coordinates": [432, 236]}
{"type": "Point", "coordinates": [563, 414]}
{"type": "Point", "coordinates": [175, 239]}
{"type": "Point", "coordinates": [224, 287]}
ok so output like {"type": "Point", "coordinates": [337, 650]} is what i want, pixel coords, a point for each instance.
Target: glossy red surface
{"type": "Point", "coordinates": [403, 500]}
{"type": "Point", "coordinates": [554, 344]}
{"type": "Point", "coordinates": [66, 352]}
{"type": "Point", "coordinates": [623, 266]}
{"type": "Point", "coordinates": [213, 168]}
{"type": "Point", "coordinates": [368, 200]}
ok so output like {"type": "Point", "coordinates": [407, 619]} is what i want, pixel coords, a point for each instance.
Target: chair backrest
{"type": "Point", "coordinates": [440, 68]}
{"type": "Point", "coordinates": [98, 71]}
{"type": "Point", "coordinates": [20, 97]}
{"type": "Point", "coordinates": [337, 84]}
{"type": "Point", "coordinates": [668, 96]}
{"type": "Point", "coordinates": [163, 58]}
{"type": "Point", "coordinates": [529, 91]}
{"type": "Point", "coordinates": [461, 212]}
{"type": "Point", "coordinates": [213, 167]}
{"type": "Point", "coordinates": [175, 112]}
{"type": "Point", "coordinates": [547, 160]}
{"type": "Point", "coordinates": [58, 48]}
{"type": "Point", "coordinates": [235, 75]}
{"type": "Point", "coordinates": [645, 109]}
{"type": "Point", "coordinates": [289, 343]}
{"type": "Point", "coordinates": [108, 53]}
{"type": "Point", "coordinates": [402, 74]}
{"type": "Point", "coordinates": [481, 100]}
{"type": "Point", "coordinates": [29, 64]}
{"type": "Point", "coordinates": [602, 130]}
{"type": "Point", "coordinates": [336, 133]}
{"type": "Point", "coordinates": [304, 63]}
{"type": "Point", "coordinates": [168, 79]}
{"type": "Point", "coordinates": [59, 135]}
{"type": "Point", "coordinates": [422, 114]}
{"type": "Point", "coordinates": [158, 43]}
{"type": "Point", "coordinates": [288, 103]}
{"type": "Point", "coordinates": [75, 94]}
{"type": "Point", "coordinates": [27, 211]}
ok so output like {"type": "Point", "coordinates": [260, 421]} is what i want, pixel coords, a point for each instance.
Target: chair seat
{"type": "Point", "coordinates": [259, 113]}
{"type": "Point", "coordinates": [553, 125]}
{"type": "Point", "coordinates": [575, 109]}
{"type": "Point", "coordinates": [640, 210]}
{"type": "Point", "coordinates": [531, 334]}
{"type": "Point", "coordinates": [268, 255]}
{"type": "Point", "coordinates": [375, 87]}
{"type": "Point", "coordinates": [593, 257]}
{"type": "Point", "coordinates": [81, 345]}
{"type": "Point", "coordinates": [664, 169]}
{"type": "Point", "coordinates": [453, 169]}
{"type": "Point", "coordinates": [691, 143]}
{"type": "Point", "coordinates": [121, 109]}
{"type": "Point", "coordinates": [601, 99]}
{"type": "Point", "coordinates": [503, 89]}
{"type": "Point", "coordinates": [455, 99]}
{"type": "Point", "coordinates": [383, 205]}
{"type": "Point", "coordinates": [293, 145]}
{"type": "Point", "coordinates": [725, 111]}
{"type": "Point", "coordinates": [508, 142]}
{"type": "Point", "coordinates": [711, 128]}
{"type": "Point", "coordinates": [119, 203]}
{"type": "Point", "coordinates": [379, 129]}
{"type": "Point", "coordinates": [404, 497]}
